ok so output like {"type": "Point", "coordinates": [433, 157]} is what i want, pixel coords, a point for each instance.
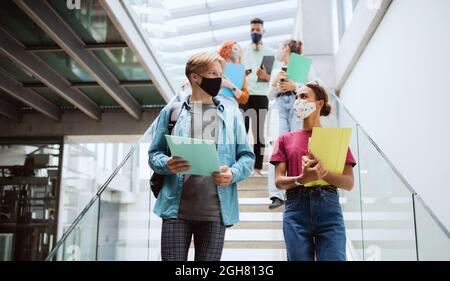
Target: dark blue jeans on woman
{"type": "Point", "coordinates": [313, 225]}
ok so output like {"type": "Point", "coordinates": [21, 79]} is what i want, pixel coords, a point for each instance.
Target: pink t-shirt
{"type": "Point", "coordinates": [291, 147]}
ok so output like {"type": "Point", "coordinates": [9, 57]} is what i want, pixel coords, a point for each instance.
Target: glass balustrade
{"type": "Point", "coordinates": [384, 217]}
{"type": "Point", "coordinates": [117, 223]}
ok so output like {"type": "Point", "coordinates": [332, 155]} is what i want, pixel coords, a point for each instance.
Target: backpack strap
{"type": "Point", "coordinates": [176, 111]}
{"type": "Point", "coordinates": [174, 114]}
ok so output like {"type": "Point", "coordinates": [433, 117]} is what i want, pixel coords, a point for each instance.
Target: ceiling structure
{"type": "Point", "coordinates": [190, 26]}
{"type": "Point", "coordinates": [54, 59]}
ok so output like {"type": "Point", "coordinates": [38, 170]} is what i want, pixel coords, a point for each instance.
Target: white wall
{"type": "Point", "coordinates": [315, 30]}
{"type": "Point", "coordinates": [399, 91]}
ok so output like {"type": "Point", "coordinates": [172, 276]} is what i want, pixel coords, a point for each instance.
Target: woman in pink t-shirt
{"type": "Point", "coordinates": [313, 223]}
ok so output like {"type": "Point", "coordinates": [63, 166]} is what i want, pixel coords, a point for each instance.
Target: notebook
{"type": "Point", "coordinates": [299, 68]}
{"type": "Point", "coordinates": [330, 146]}
{"type": "Point", "coordinates": [201, 154]}
{"type": "Point", "coordinates": [268, 62]}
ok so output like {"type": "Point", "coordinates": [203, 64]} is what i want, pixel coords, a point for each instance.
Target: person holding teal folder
{"type": "Point", "coordinates": [313, 224]}
{"type": "Point", "coordinates": [195, 205]}
{"type": "Point", "coordinates": [282, 118]}
{"type": "Point", "coordinates": [234, 88]}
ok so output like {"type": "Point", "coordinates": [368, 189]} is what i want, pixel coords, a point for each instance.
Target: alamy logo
{"type": "Point", "coordinates": [373, 253]}
{"type": "Point", "coordinates": [73, 253]}
{"type": "Point", "coordinates": [374, 4]}
{"type": "Point", "coordinates": [73, 4]}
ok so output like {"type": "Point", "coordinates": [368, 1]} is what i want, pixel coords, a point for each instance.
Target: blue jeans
{"type": "Point", "coordinates": [313, 225]}
{"type": "Point", "coordinates": [287, 122]}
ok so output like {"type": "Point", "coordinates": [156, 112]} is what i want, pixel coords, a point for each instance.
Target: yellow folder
{"type": "Point", "coordinates": [330, 146]}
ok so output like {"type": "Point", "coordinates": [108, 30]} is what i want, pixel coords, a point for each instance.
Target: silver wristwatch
{"type": "Point", "coordinates": [296, 182]}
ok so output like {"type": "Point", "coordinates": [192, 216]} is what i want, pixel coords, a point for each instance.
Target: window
{"type": "Point", "coordinates": [344, 10]}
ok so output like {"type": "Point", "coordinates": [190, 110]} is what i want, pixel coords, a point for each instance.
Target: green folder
{"type": "Point", "coordinates": [298, 68]}
{"type": "Point", "coordinates": [201, 154]}
{"type": "Point", "coordinates": [330, 146]}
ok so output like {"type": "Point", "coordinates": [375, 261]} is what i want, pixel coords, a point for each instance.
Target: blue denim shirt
{"type": "Point", "coordinates": [233, 151]}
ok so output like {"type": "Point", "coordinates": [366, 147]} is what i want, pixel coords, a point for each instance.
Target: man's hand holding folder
{"type": "Point", "coordinates": [224, 178]}
{"type": "Point", "coordinates": [177, 165]}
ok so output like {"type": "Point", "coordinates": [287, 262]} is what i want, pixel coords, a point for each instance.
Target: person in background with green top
{"type": "Point", "coordinates": [282, 118]}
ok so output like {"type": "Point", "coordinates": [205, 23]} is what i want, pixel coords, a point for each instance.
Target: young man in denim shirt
{"type": "Point", "coordinates": [198, 205]}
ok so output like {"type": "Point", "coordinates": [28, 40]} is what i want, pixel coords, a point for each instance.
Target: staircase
{"type": "Point", "coordinates": [258, 236]}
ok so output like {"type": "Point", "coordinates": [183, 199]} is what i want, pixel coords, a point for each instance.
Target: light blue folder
{"type": "Point", "coordinates": [235, 73]}
{"type": "Point", "coordinates": [201, 154]}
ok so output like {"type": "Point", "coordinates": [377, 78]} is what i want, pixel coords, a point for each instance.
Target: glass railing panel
{"type": "Point", "coordinates": [155, 223]}
{"type": "Point", "coordinates": [128, 229]}
{"type": "Point", "coordinates": [350, 200]}
{"type": "Point", "coordinates": [87, 163]}
{"type": "Point", "coordinates": [387, 207]}
{"type": "Point", "coordinates": [433, 239]}
{"type": "Point", "coordinates": [81, 242]}
{"type": "Point", "coordinates": [6, 246]}
{"type": "Point", "coordinates": [125, 210]}
{"type": "Point", "coordinates": [154, 19]}
{"type": "Point", "coordinates": [122, 212]}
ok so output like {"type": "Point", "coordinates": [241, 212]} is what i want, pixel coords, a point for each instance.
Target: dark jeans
{"type": "Point", "coordinates": [313, 225]}
{"type": "Point", "coordinates": [176, 236]}
{"type": "Point", "coordinates": [260, 104]}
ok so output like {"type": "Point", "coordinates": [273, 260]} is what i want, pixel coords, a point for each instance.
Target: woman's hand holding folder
{"type": "Point", "coordinates": [312, 169]}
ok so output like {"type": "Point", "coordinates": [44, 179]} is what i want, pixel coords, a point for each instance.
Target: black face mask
{"type": "Point", "coordinates": [211, 85]}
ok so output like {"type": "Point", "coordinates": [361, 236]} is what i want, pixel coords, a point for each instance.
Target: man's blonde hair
{"type": "Point", "coordinates": [200, 62]}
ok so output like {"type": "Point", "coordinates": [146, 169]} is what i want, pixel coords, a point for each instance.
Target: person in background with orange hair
{"type": "Point", "coordinates": [231, 52]}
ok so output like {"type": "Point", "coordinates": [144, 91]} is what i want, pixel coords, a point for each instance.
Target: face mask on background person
{"type": "Point", "coordinates": [256, 37]}
{"type": "Point", "coordinates": [234, 55]}
{"type": "Point", "coordinates": [211, 85]}
{"type": "Point", "coordinates": [304, 109]}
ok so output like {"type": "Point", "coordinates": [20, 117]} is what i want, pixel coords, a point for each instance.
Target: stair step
{"type": "Point", "coordinates": [352, 234]}
{"type": "Point", "coordinates": [385, 244]}
{"type": "Point", "coordinates": [260, 216]}
{"type": "Point", "coordinates": [254, 201]}
{"type": "Point", "coordinates": [251, 245]}
{"type": "Point", "coordinates": [248, 255]}
{"type": "Point", "coordinates": [143, 216]}
{"type": "Point", "coordinates": [395, 244]}
{"type": "Point", "coordinates": [259, 208]}
{"type": "Point", "coordinates": [254, 235]}
{"type": "Point", "coordinates": [252, 193]}
{"type": "Point", "coordinates": [258, 225]}
{"type": "Point", "coordinates": [247, 222]}
{"type": "Point", "coordinates": [228, 254]}
{"type": "Point", "coordinates": [253, 183]}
